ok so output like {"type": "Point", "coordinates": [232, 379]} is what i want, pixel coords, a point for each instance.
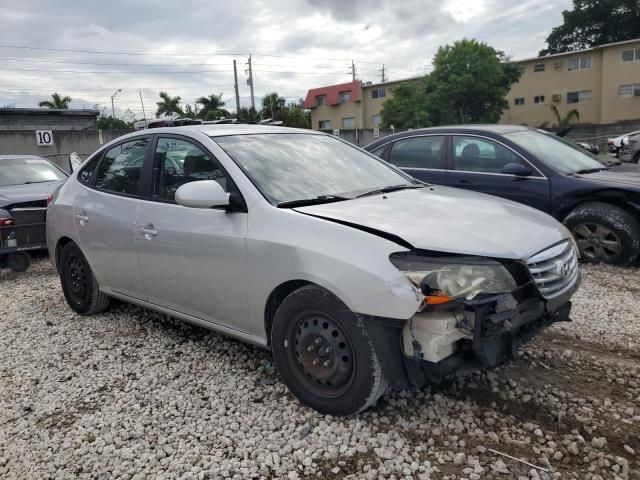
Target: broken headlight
{"type": "Point", "coordinates": [442, 279]}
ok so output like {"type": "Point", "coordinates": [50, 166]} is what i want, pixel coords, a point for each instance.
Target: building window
{"type": "Point", "coordinates": [376, 120]}
{"type": "Point", "coordinates": [580, 63]}
{"type": "Point", "coordinates": [349, 122]}
{"type": "Point", "coordinates": [629, 90]}
{"type": "Point", "coordinates": [630, 55]}
{"type": "Point", "coordinates": [538, 99]}
{"type": "Point", "coordinates": [518, 101]}
{"type": "Point", "coordinates": [324, 125]}
{"type": "Point", "coordinates": [579, 97]}
{"type": "Point", "coordinates": [345, 97]}
{"type": "Point", "coordinates": [538, 67]}
{"type": "Point", "coordinates": [378, 93]}
{"type": "Point", "coordinates": [320, 100]}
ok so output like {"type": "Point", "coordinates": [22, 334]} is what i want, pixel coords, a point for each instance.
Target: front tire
{"type": "Point", "coordinates": [605, 233]}
{"type": "Point", "coordinates": [323, 353]}
{"type": "Point", "coordinates": [79, 285]}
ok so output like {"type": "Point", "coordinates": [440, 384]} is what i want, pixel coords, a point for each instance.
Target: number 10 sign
{"type": "Point", "coordinates": [44, 138]}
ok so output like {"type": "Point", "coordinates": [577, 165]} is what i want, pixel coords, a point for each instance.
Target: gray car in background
{"type": "Point", "coordinates": [355, 275]}
{"type": "Point", "coordinates": [630, 150]}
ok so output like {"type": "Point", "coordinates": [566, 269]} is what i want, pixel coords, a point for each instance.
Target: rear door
{"type": "Point", "coordinates": [105, 212]}
{"type": "Point", "coordinates": [477, 164]}
{"type": "Point", "coordinates": [421, 157]}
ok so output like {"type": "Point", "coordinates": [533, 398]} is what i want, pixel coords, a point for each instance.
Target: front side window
{"type": "Point", "coordinates": [179, 162]}
{"type": "Point", "coordinates": [473, 154]}
{"type": "Point", "coordinates": [288, 166]}
{"type": "Point", "coordinates": [120, 168]}
{"type": "Point", "coordinates": [348, 122]}
{"type": "Point", "coordinates": [23, 171]}
{"type": "Point", "coordinates": [345, 97]}
{"type": "Point", "coordinates": [320, 99]}
{"type": "Point", "coordinates": [418, 152]}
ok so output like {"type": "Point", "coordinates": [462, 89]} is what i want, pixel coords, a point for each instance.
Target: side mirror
{"type": "Point", "coordinates": [74, 161]}
{"type": "Point", "coordinates": [202, 194]}
{"type": "Point", "coordinates": [516, 169]}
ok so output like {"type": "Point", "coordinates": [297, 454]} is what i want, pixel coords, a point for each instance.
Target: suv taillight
{"type": "Point", "coordinates": [5, 222]}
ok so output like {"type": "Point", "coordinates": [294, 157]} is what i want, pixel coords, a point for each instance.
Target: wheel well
{"type": "Point", "coordinates": [60, 245]}
{"type": "Point", "coordinates": [278, 295]}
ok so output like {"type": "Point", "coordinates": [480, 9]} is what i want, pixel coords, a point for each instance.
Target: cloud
{"type": "Point", "coordinates": [296, 44]}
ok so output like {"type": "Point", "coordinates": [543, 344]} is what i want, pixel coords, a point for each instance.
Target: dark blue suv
{"type": "Point", "coordinates": [600, 205]}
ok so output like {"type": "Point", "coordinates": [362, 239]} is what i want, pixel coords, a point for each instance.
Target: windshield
{"type": "Point", "coordinates": [288, 167]}
{"type": "Point", "coordinates": [21, 171]}
{"type": "Point", "coordinates": [555, 152]}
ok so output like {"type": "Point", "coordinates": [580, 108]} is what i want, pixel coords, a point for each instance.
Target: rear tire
{"type": "Point", "coordinates": [19, 261]}
{"type": "Point", "coordinates": [605, 233]}
{"type": "Point", "coordinates": [79, 285]}
{"type": "Point", "coordinates": [323, 353]}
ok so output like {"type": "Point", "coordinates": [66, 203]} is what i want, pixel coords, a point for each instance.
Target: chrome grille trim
{"type": "Point", "coordinates": [555, 270]}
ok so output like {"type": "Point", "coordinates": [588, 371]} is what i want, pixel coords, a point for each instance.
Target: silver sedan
{"type": "Point", "coordinates": [354, 274]}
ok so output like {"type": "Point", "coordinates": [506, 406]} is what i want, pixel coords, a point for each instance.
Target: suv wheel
{"type": "Point", "coordinates": [605, 233]}
{"type": "Point", "coordinates": [323, 354]}
{"type": "Point", "coordinates": [78, 283]}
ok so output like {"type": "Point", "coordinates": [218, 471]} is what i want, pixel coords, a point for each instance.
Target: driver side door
{"type": "Point", "coordinates": [478, 163]}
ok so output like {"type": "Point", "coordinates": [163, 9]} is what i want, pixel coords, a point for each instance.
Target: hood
{"type": "Point", "coordinates": [615, 178]}
{"type": "Point", "coordinates": [26, 193]}
{"type": "Point", "coordinates": [450, 220]}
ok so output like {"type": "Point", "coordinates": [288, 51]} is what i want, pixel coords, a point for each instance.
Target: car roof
{"type": "Point", "coordinates": [220, 130]}
{"type": "Point", "coordinates": [21, 157]}
{"type": "Point", "coordinates": [499, 129]}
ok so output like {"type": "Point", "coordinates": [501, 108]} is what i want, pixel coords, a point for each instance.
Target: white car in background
{"type": "Point", "coordinates": [615, 144]}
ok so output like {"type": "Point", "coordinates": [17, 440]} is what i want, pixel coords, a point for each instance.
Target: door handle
{"type": "Point", "coordinates": [149, 231]}
{"type": "Point", "coordinates": [82, 219]}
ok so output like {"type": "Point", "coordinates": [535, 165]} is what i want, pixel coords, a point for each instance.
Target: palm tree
{"type": "Point", "coordinates": [56, 102]}
{"type": "Point", "coordinates": [212, 107]}
{"type": "Point", "coordinates": [168, 105]}
{"type": "Point", "coordinates": [565, 121]}
{"type": "Point", "coordinates": [272, 106]}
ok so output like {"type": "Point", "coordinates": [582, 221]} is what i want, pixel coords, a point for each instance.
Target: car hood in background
{"type": "Point", "coordinates": [450, 220]}
{"type": "Point", "coordinates": [615, 178]}
{"type": "Point", "coordinates": [27, 193]}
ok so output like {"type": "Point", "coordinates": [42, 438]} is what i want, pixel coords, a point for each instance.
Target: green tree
{"type": "Point", "coordinates": [168, 105]}
{"type": "Point", "coordinates": [295, 115]}
{"type": "Point", "coordinates": [568, 119]}
{"type": "Point", "coordinates": [407, 107]}
{"type": "Point", "coordinates": [107, 122]}
{"type": "Point", "coordinates": [469, 83]}
{"type": "Point", "coordinates": [594, 22]}
{"type": "Point", "coordinates": [212, 107]}
{"type": "Point", "coordinates": [247, 115]}
{"type": "Point", "coordinates": [273, 106]}
{"type": "Point", "coordinates": [56, 102]}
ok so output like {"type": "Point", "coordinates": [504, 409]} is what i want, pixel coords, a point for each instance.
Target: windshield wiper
{"type": "Point", "coordinates": [38, 181]}
{"type": "Point", "coordinates": [389, 188]}
{"type": "Point", "coordinates": [591, 170]}
{"type": "Point", "coordinates": [312, 201]}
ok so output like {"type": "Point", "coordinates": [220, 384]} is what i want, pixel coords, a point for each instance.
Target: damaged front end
{"type": "Point", "coordinates": [476, 312]}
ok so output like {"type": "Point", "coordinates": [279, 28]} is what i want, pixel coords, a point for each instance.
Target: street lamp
{"type": "Point", "coordinates": [113, 110]}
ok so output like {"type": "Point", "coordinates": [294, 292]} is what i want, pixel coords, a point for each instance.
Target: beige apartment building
{"type": "Point", "coordinates": [349, 105]}
{"type": "Point", "coordinates": [601, 83]}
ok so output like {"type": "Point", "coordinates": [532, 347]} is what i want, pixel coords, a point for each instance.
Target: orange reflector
{"type": "Point", "coordinates": [437, 299]}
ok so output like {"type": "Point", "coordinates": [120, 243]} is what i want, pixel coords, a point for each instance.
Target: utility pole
{"type": "Point", "coordinates": [353, 71]}
{"type": "Point", "coordinates": [384, 79]}
{"type": "Point", "coordinates": [235, 87]}
{"type": "Point", "coordinates": [113, 110]}
{"type": "Point", "coordinates": [250, 82]}
{"type": "Point", "coordinates": [144, 115]}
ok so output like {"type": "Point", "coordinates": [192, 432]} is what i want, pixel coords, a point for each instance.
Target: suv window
{"type": "Point", "coordinates": [86, 173]}
{"type": "Point", "coordinates": [120, 168]}
{"type": "Point", "coordinates": [472, 154]}
{"type": "Point", "coordinates": [418, 152]}
{"type": "Point", "coordinates": [181, 162]}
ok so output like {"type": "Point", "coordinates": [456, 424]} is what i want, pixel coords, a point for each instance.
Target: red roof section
{"type": "Point", "coordinates": [332, 93]}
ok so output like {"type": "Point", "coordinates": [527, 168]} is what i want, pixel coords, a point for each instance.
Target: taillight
{"type": "Point", "coordinates": [5, 222]}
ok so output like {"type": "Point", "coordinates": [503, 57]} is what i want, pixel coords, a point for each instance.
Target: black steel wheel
{"type": "Point", "coordinates": [79, 285]}
{"type": "Point", "coordinates": [605, 233]}
{"type": "Point", "coordinates": [323, 353]}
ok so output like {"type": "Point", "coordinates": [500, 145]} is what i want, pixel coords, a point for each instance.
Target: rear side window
{"type": "Point", "coordinates": [181, 162]}
{"type": "Point", "coordinates": [120, 168]}
{"type": "Point", "coordinates": [86, 174]}
{"type": "Point", "coordinates": [418, 152]}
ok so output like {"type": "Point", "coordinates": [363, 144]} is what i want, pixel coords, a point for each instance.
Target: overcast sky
{"type": "Point", "coordinates": [187, 47]}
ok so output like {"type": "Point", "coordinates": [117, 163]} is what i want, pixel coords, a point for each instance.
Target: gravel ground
{"type": "Point", "coordinates": [129, 394]}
